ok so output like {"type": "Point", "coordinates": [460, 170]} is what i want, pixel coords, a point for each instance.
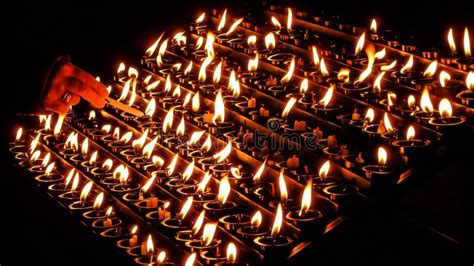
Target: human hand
{"type": "Point", "coordinates": [68, 85]}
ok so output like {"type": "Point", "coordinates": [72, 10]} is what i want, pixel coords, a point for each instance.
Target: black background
{"type": "Point", "coordinates": [100, 35]}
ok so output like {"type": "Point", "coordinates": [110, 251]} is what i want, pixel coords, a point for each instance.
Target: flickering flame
{"type": "Point", "coordinates": [118, 171]}
{"type": "Point", "coordinates": [452, 44]}
{"type": "Point", "coordinates": [199, 221]}
{"type": "Point", "coordinates": [253, 63]}
{"type": "Point", "coordinates": [49, 169]}
{"type": "Point", "coordinates": [93, 158]}
{"type": "Point", "coordinates": [176, 67]}
{"type": "Point", "coordinates": [470, 81]}
{"type": "Point", "coordinates": [19, 133]}
{"type": "Point", "coordinates": [390, 97]}
{"type": "Point", "coordinates": [195, 137]}
{"type": "Point", "coordinates": [123, 176]}
{"type": "Point", "coordinates": [231, 253]}
{"type": "Point", "coordinates": [283, 189]}
{"type": "Point", "coordinates": [368, 70]}
{"type": "Point", "coordinates": [373, 26]}
{"type": "Point", "coordinates": [208, 233]}
{"type": "Point", "coordinates": [35, 156]}
{"type": "Point", "coordinates": [195, 102]}
{"type": "Point", "coordinates": [209, 46]}
{"type": "Point", "coordinates": [85, 147]}
{"type": "Point", "coordinates": [199, 43]}
{"type": "Point", "coordinates": [146, 81]}
{"type": "Point", "coordinates": [206, 146]}
{"type": "Point", "coordinates": [34, 143]}
{"type": "Point", "coordinates": [444, 77]}
{"type": "Point", "coordinates": [168, 84]}
{"type": "Point", "coordinates": [327, 97]}
{"type": "Point", "coordinates": [107, 165]}
{"type": "Point", "coordinates": [315, 55]}
{"type": "Point", "coordinates": [289, 74]}
{"type": "Point", "coordinates": [407, 67]}
{"type": "Point", "coordinates": [270, 41]}
{"type": "Point", "coordinates": [389, 66]}
{"type": "Point", "coordinates": [171, 167]}
{"type": "Point", "coordinates": [377, 86]}
{"type": "Point", "coordinates": [161, 52]}
{"type": "Point", "coordinates": [224, 153]}
{"type": "Point", "coordinates": [151, 50]}
{"type": "Point", "coordinates": [59, 125]}
{"type": "Point", "coordinates": [47, 123]}
{"type": "Point", "coordinates": [185, 209]}
{"type": "Point", "coordinates": [161, 257]}
{"type": "Point", "coordinates": [109, 89]}
{"type": "Point", "coordinates": [200, 19]}
{"type": "Point", "coordinates": [236, 89]}
{"type": "Point", "coordinates": [252, 40]}
{"type": "Point", "coordinates": [148, 149]}
{"type": "Point", "coordinates": [150, 247]}
{"type": "Point", "coordinates": [235, 172]}
{"type": "Point", "coordinates": [106, 128]}
{"type": "Point", "coordinates": [180, 130]}
{"type": "Point", "coordinates": [445, 108]}
{"type": "Point", "coordinates": [116, 134]}
{"type": "Point", "coordinates": [121, 68]}
{"type": "Point", "coordinates": [71, 142]}
{"type": "Point", "coordinates": [410, 133]}
{"type": "Point", "coordinates": [133, 95]}
{"type": "Point", "coordinates": [382, 156]}
{"type": "Point", "coordinates": [343, 74]}
{"type": "Point", "coordinates": [202, 185]}
{"type": "Point", "coordinates": [224, 190]}
{"type": "Point", "coordinates": [380, 54]}
{"type": "Point", "coordinates": [304, 86]}
{"type": "Point", "coordinates": [138, 143]}
{"type": "Point", "coordinates": [180, 39]}
{"type": "Point", "coordinates": [134, 230]}
{"type": "Point", "coordinates": [256, 220]}
{"type": "Point", "coordinates": [75, 182]}
{"type": "Point", "coordinates": [187, 99]}
{"type": "Point", "coordinates": [258, 174]}
{"type": "Point", "coordinates": [222, 21]}
{"type": "Point", "coordinates": [148, 184]}
{"type": "Point", "coordinates": [306, 198]}
{"type": "Point", "coordinates": [202, 71]}
{"type": "Point", "coordinates": [188, 172]}
{"type": "Point", "coordinates": [85, 191]}
{"type": "Point", "coordinates": [98, 201]}
{"type": "Point", "coordinates": [157, 160]}
{"type": "Point", "coordinates": [411, 101]}
{"type": "Point", "coordinates": [275, 22]}
{"type": "Point", "coordinates": [431, 69]}
{"type": "Point", "coordinates": [217, 73]}
{"type": "Point", "coordinates": [290, 20]}
{"type": "Point", "coordinates": [188, 69]}
{"type": "Point", "coordinates": [324, 69]}
{"type": "Point", "coordinates": [278, 220]}
{"type": "Point", "coordinates": [150, 108]}
{"type": "Point", "coordinates": [369, 116]}
{"type": "Point", "coordinates": [168, 121]}
{"type": "Point", "coordinates": [219, 109]}
{"type": "Point", "coordinates": [234, 26]}
{"type": "Point", "coordinates": [132, 72]}
{"type": "Point", "coordinates": [190, 260]}
{"type": "Point", "coordinates": [387, 123]}
{"type": "Point", "coordinates": [126, 137]}
{"type": "Point", "coordinates": [177, 91]}
{"type": "Point", "coordinates": [69, 177]}
{"type": "Point", "coordinates": [125, 90]}
{"type": "Point", "coordinates": [467, 43]}
{"type": "Point", "coordinates": [288, 107]}
{"type": "Point", "coordinates": [360, 44]}
{"type": "Point", "coordinates": [324, 170]}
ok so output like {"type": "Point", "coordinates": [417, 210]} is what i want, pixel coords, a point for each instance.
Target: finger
{"type": "Point", "coordinates": [75, 99]}
{"type": "Point", "coordinates": [90, 81]}
{"type": "Point", "coordinates": [78, 87]}
{"type": "Point", "coordinates": [57, 106]}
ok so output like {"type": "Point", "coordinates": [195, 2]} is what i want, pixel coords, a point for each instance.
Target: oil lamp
{"type": "Point", "coordinates": [179, 222]}
{"type": "Point", "coordinates": [104, 170]}
{"type": "Point", "coordinates": [446, 86]}
{"type": "Point", "coordinates": [253, 230]}
{"type": "Point", "coordinates": [307, 68]}
{"type": "Point", "coordinates": [77, 159]}
{"type": "Point", "coordinates": [413, 149]}
{"type": "Point", "coordinates": [324, 179]}
{"type": "Point", "coordinates": [284, 86]}
{"type": "Point", "coordinates": [147, 200]}
{"type": "Point", "coordinates": [466, 63]}
{"type": "Point", "coordinates": [97, 212]}
{"type": "Point", "coordinates": [287, 203]}
{"type": "Point", "coordinates": [146, 60]}
{"type": "Point", "coordinates": [322, 75]}
{"type": "Point", "coordinates": [200, 192]}
{"type": "Point", "coordinates": [225, 38]}
{"type": "Point", "coordinates": [50, 175]}
{"type": "Point", "coordinates": [161, 212]}
{"type": "Point", "coordinates": [198, 24]}
{"type": "Point", "coordinates": [427, 111]}
{"type": "Point", "coordinates": [276, 244]}
{"type": "Point", "coordinates": [175, 183]}
{"type": "Point", "coordinates": [103, 132]}
{"type": "Point", "coordinates": [68, 195]}
{"type": "Point", "coordinates": [252, 75]}
{"type": "Point", "coordinates": [145, 249]}
{"type": "Point", "coordinates": [83, 204]}
{"type": "Point", "coordinates": [130, 240]}
{"type": "Point", "coordinates": [406, 75]}
{"type": "Point", "coordinates": [380, 174]}
{"type": "Point", "coordinates": [446, 122]}
{"type": "Point", "coordinates": [356, 58]}
{"type": "Point", "coordinates": [18, 146]}
{"type": "Point", "coordinates": [325, 106]}
{"type": "Point", "coordinates": [122, 143]}
{"type": "Point", "coordinates": [277, 123]}
{"type": "Point", "coordinates": [124, 185]}
{"type": "Point", "coordinates": [147, 253]}
{"type": "Point", "coordinates": [136, 147]}
{"type": "Point", "coordinates": [467, 96]}
{"type": "Point", "coordinates": [207, 241]}
{"type": "Point", "coordinates": [184, 236]}
{"type": "Point", "coordinates": [250, 188]}
{"type": "Point", "coordinates": [38, 165]}
{"type": "Point", "coordinates": [231, 256]}
{"type": "Point", "coordinates": [360, 85]}
{"type": "Point", "coordinates": [306, 218]}
{"type": "Point", "coordinates": [220, 206]}
{"type": "Point", "coordinates": [427, 79]}
{"type": "Point", "coordinates": [108, 222]}
{"type": "Point", "coordinates": [70, 147]}
{"type": "Point", "coordinates": [62, 187]}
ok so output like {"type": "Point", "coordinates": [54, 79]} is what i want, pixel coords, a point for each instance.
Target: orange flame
{"type": "Point", "coordinates": [431, 69]}
{"type": "Point", "coordinates": [470, 80]}
{"type": "Point", "coordinates": [190, 260]}
{"type": "Point", "coordinates": [202, 185]}
{"type": "Point", "coordinates": [290, 20]}
{"type": "Point", "coordinates": [85, 191]}
{"type": "Point", "coordinates": [444, 77]}
{"type": "Point", "coordinates": [177, 91]}
{"type": "Point", "coordinates": [283, 189]}
{"type": "Point", "coordinates": [408, 66]}
{"type": "Point", "coordinates": [186, 207]}
{"type": "Point", "coordinates": [270, 41]}
{"type": "Point", "coordinates": [138, 143]}
{"type": "Point", "coordinates": [209, 46]}
{"type": "Point", "coordinates": [206, 146]}
{"type": "Point", "coordinates": [202, 71]}
{"type": "Point", "coordinates": [382, 156]}
{"type": "Point", "coordinates": [315, 55]}
{"type": "Point", "coordinates": [168, 84]}
{"type": "Point", "coordinates": [19, 133]}
{"type": "Point", "coordinates": [410, 133]}
{"type": "Point", "coordinates": [126, 137]}
{"type": "Point", "coordinates": [253, 63]}
{"type": "Point", "coordinates": [231, 253]}
{"type": "Point", "coordinates": [217, 73]}
{"type": "Point", "coordinates": [445, 108]}
{"type": "Point", "coordinates": [150, 108]}
{"type": "Point", "coordinates": [93, 158]}
{"type": "Point", "coordinates": [188, 172]}
{"type": "Point", "coordinates": [125, 90]}
{"type": "Point", "coordinates": [369, 116]}
{"type": "Point", "coordinates": [161, 52]}
{"type": "Point", "coordinates": [252, 40]}
{"type": "Point", "coordinates": [278, 221]}
{"type": "Point", "coordinates": [258, 174]}
{"type": "Point", "coordinates": [425, 103]}
{"type": "Point", "coordinates": [168, 121]}
{"type": "Point", "coordinates": [327, 97]}
{"type": "Point", "coordinates": [172, 166]}
{"type": "Point", "coordinates": [121, 68]}
{"type": "Point", "coordinates": [411, 101]}
{"type": "Point", "coordinates": [289, 74]}
{"type": "Point", "coordinates": [467, 43]}
{"type": "Point", "coordinates": [275, 22]}
{"type": "Point", "coordinates": [373, 26]}
{"type": "Point", "coordinates": [106, 128]}
{"type": "Point", "coordinates": [59, 124]}
{"type": "Point", "coordinates": [49, 169]}
{"type": "Point", "coordinates": [304, 86]}
{"type": "Point", "coordinates": [200, 19]}
{"type": "Point", "coordinates": [158, 161]}
{"type": "Point", "coordinates": [150, 247]}
{"type": "Point", "coordinates": [306, 198]}
{"type": "Point", "coordinates": [256, 220]}
{"type": "Point", "coordinates": [360, 44]}
{"type": "Point", "coordinates": [98, 201]}
{"type": "Point", "coordinates": [195, 102]}
{"type": "Point", "coordinates": [288, 107]}
{"type": "Point", "coordinates": [324, 170]}
{"type": "Point", "coordinates": [389, 66]}
{"type": "Point", "coordinates": [368, 70]}
{"type": "Point", "coordinates": [224, 190]}
{"type": "Point", "coordinates": [188, 69]}
{"type": "Point", "coordinates": [219, 109]}
{"type": "Point", "coordinates": [452, 44]}
{"type": "Point", "coordinates": [149, 52]}
{"type": "Point", "coordinates": [380, 54]}
{"type": "Point", "coordinates": [161, 257]}
{"type": "Point", "coordinates": [387, 123]}
{"type": "Point", "coordinates": [107, 165]}
{"type": "Point", "coordinates": [148, 149]}
{"type": "Point", "coordinates": [222, 21]}
{"type": "Point", "coordinates": [323, 68]}
{"type": "Point", "coordinates": [378, 80]}
{"type": "Point", "coordinates": [208, 233]}
{"type": "Point", "coordinates": [234, 26]}
{"type": "Point", "coordinates": [224, 153]}
{"type": "Point", "coordinates": [199, 221]}
{"type": "Point", "coordinates": [195, 137]}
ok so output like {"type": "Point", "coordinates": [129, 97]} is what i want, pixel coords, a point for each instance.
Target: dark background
{"type": "Point", "coordinates": [100, 35]}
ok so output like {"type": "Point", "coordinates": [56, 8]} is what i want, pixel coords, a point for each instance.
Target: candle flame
{"type": "Point", "coordinates": [445, 108]}
{"type": "Point", "coordinates": [202, 71]}
{"type": "Point", "coordinates": [382, 156]}
{"type": "Point", "coordinates": [253, 64]}
{"type": "Point", "coordinates": [231, 253]}
{"type": "Point", "coordinates": [222, 21]}
{"type": "Point", "coordinates": [283, 189]}
{"type": "Point", "coordinates": [85, 191]}
{"type": "Point", "coordinates": [168, 121]}
{"type": "Point", "coordinates": [209, 46]}
{"type": "Point", "coordinates": [148, 184]}
{"type": "Point", "coordinates": [373, 26]}
{"type": "Point", "coordinates": [125, 90]}
{"type": "Point", "coordinates": [185, 209]}
{"type": "Point", "coordinates": [180, 130]}
{"type": "Point", "coordinates": [217, 73]}
{"type": "Point", "coordinates": [208, 233]}
{"type": "Point", "coordinates": [49, 169]}
{"type": "Point", "coordinates": [19, 133]}
{"type": "Point", "coordinates": [190, 260]}
{"type": "Point", "coordinates": [224, 153]}
{"type": "Point", "coordinates": [344, 74]}
{"type": "Point", "coordinates": [236, 89]}
{"type": "Point", "coordinates": [425, 102]}
{"type": "Point", "coordinates": [180, 39]}
{"type": "Point", "coordinates": [411, 101]}
{"type": "Point", "coordinates": [224, 190]}
{"type": "Point", "coordinates": [470, 80]}
{"type": "Point", "coordinates": [380, 54]}
{"type": "Point", "coordinates": [177, 91]}
{"type": "Point", "coordinates": [106, 128]}
{"type": "Point", "coordinates": [123, 176]}
{"type": "Point", "coordinates": [324, 170]}
{"type": "Point", "coordinates": [289, 74]}
{"type": "Point", "coordinates": [158, 161]}
{"type": "Point", "coordinates": [168, 84]}
{"type": "Point", "coordinates": [161, 257]}
{"type": "Point", "coordinates": [134, 229]}
{"type": "Point", "coordinates": [34, 143]}
{"type": "Point", "coordinates": [304, 86]}
{"type": "Point", "coordinates": [151, 50]}
{"type": "Point", "coordinates": [132, 72]}
{"type": "Point", "coordinates": [410, 133]}
{"type": "Point", "coordinates": [219, 109]}
{"type": "Point", "coordinates": [47, 123]}
{"type": "Point", "coordinates": [59, 124]}
{"type": "Point", "coordinates": [195, 102]}
{"type": "Point", "coordinates": [150, 247]}
{"type": "Point", "coordinates": [161, 52]}
{"type": "Point", "coordinates": [369, 115]}
{"type": "Point", "coordinates": [199, 43]}
{"type": "Point", "coordinates": [256, 220]}
{"type": "Point", "coordinates": [408, 66]}
{"type": "Point", "coordinates": [199, 221]}
{"type": "Point", "coordinates": [235, 172]}
{"type": "Point", "coordinates": [275, 22]}
{"type": "Point", "coordinates": [278, 221]}
{"type": "Point", "coordinates": [107, 165]}
{"type": "Point", "coordinates": [389, 66]}
{"type": "Point", "coordinates": [431, 69]}
{"type": "Point", "coordinates": [188, 69]}
{"type": "Point", "coordinates": [387, 123]}
{"type": "Point", "coordinates": [452, 44]}
{"type": "Point", "coordinates": [150, 108]}
{"type": "Point", "coordinates": [306, 198]}
{"type": "Point", "coordinates": [200, 19]}
{"type": "Point", "coordinates": [370, 54]}
{"type": "Point", "coordinates": [252, 40]}
{"type": "Point", "coordinates": [444, 77]}
{"type": "Point", "coordinates": [138, 143]}
{"type": "Point", "coordinates": [71, 142]}
{"type": "Point", "coordinates": [146, 81]}
{"type": "Point", "coordinates": [360, 44]}
{"type": "Point", "coordinates": [327, 97]}
{"type": "Point", "coordinates": [85, 147]}
{"type": "Point", "coordinates": [258, 174]}
{"type": "Point", "coordinates": [148, 148]}
{"type": "Point", "coordinates": [133, 95]}
{"type": "Point", "coordinates": [290, 20]}
{"type": "Point", "coordinates": [75, 182]}
{"type": "Point", "coordinates": [69, 177]}
{"type": "Point", "coordinates": [126, 137]}
{"type": "Point", "coordinates": [288, 107]}
{"type": "Point", "coordinates": [188, 172]}
{"type": "Point", "coordinates": [234, 26]}
{"type": "Point", "coordinates": [116, 134]}
{"type": "Point", "coordinates": [35, 157]}
{"type": "Point", "coordinates": [93, 158]}
{"type": "Point", "coordinates": [202, 185]}
{"type": "Point", "coordinates": [195, 137]}
{"type": "Point", "coordinates": [98, 201]}
{"type": "Point", "coordinates": [206, 146]}
{"type": "Point", "coordinates": [315, 55]}
{"type": "Point", "coordinates": [171, 167]}
{"type": "Point", "coordinates": [187, 99]}
{"type": "Point", "coordinates": [323, 68]}
{"type": "Point", "coordinates": [121, 68]}
{"type": "Point", "coordinates": [378, 80]}
{"type": "Point", "coordinates": [46, 159]}
{"type": "Point", "coordinates": [467, 43]}
{"type": "Point", "coordinates": [270, 41]}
